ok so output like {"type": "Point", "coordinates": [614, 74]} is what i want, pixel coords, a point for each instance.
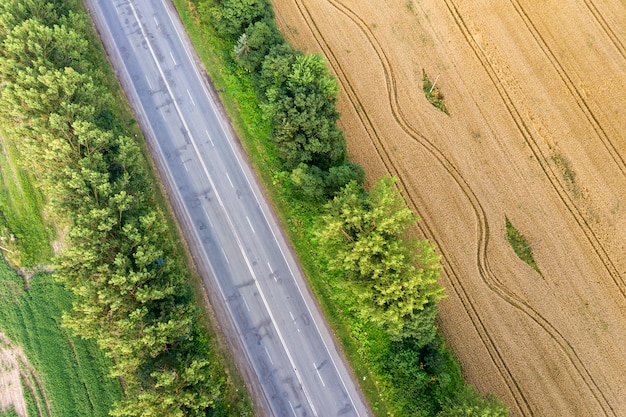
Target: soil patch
{"type": "Point", "coordinates": [535, 135]}
{"type": "Point", "coordinates": [16, 373]}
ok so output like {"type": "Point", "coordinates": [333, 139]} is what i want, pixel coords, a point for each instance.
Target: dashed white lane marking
{"type": "Point", "coordinates": [250, 223]}
{"type": "Point", "coordinates": [225, 256]}
{"type": "Point", "coordinates": [209, 136]}
{"type": "Point", "coordinates": [292, 409]}
{"type": "Point", "coordinates": [155, 20]}
{"type": "Point", "coordinates": [248, 307]}
{"type": "Point", "coordinates": [208, 217]}
{"type": "Point", "coordinates": [318, 373]}
{"type": "Point", "coordinates": [268, 355]}
{"type": "Point", "coordinates": [191, 98]}
{"type": "Point", "coordinates": [149, 84]}
{"type": "Point", "coordinates": [172, 55]}
{"type": "Point", "coordinates": [229, 180]}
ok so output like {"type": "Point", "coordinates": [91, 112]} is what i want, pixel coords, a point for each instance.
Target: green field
{"type": "Point", "coordinates": [74, 372]}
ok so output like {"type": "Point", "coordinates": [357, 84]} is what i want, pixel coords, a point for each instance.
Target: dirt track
{"type": "Point", "coordinates": [537, 98]}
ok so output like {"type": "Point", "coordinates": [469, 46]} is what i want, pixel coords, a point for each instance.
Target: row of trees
{"type": "Point", "coordinates": [364, 237]}
{"type": "Point", "coordinates": [364, 234]}
{"type": "Point", "coordinates": [131, 293]}
{"type": "Point", "coordinates": [297, 94]}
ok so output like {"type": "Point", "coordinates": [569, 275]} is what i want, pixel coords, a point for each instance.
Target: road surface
{"type": "Point", "coordinates": [230, 228]}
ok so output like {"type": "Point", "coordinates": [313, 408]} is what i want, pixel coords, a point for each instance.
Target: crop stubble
{"type": "Point", "coordinates": [536, 95]}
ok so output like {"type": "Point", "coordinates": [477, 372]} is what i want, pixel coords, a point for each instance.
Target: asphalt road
{"type": "Point", "coordinates": [229, 226]}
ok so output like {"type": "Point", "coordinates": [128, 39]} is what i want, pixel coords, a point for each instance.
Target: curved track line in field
{"type": "Point", "coordinates": [544, 163]}
{"type": "Point", "coordinates": [487, 276]}
{"type": "Point", "coordinates": [553, 178]}
{"type": "Point", "coordinates": [480, 327]}
{"type": "Point", "coordinates": [571, 87]}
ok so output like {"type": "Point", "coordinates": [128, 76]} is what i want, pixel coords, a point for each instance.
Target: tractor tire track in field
{"type": "Point", "coordinates": [606, 141]}
{"type": "Point", "coordinates": [463, 296]}
{"type": "Point", "coordinates": [571, 87]}
{"type": "Point", "coordinates": [544, 163]}
{"type": "Point", "coordinates": [606, 27]}
{"type": "Point", "coordinates": [483, 236]}
{"type": "Point", "coordinates": [563, 195]}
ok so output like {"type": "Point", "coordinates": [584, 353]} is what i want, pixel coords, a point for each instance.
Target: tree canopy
{"type": "Point", "coordinates": [131, 292]}
{"type": "Point", "coordinates": [366, 237]}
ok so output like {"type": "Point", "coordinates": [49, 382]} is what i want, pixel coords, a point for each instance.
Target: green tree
{"type": "Point", "coordinates": [233, 17]}
{"type": "Point", "coordinates": [366, 236]}
{"type": "Point", "coordinates": [130, 295]}
{"type": "Point", "coordinates": [255, 43]}
{"type": "Point", "coordinates": [301, 106]}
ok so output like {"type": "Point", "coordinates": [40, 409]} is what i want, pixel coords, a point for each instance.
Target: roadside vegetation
{"type": "Point", "coordinates": [74, 371]}
{"type": "Point", "coordinates": [60, 109]}
{"type": "Point", "coordinates": [375, 282]}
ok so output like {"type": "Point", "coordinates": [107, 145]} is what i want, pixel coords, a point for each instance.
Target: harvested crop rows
{"type": "Point", "coordinates": [535, 97]}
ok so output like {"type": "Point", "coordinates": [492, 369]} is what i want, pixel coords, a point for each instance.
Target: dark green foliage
{"type": "Point", "coordinates": [233, 17]}
{"type": "Point", "coordinates": [339, 176]}
{"type": "Point", "coordinates": [318, 185]}
{"type": "Point", "coordinates": [303, 114]}
{"type": "Point", "coordinates": [255, 43]}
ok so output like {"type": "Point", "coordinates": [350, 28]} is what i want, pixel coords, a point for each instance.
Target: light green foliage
{"type": "Point", "coordinates": [366, 237]}
{"type": "Point", "coordinates": [183, 392]}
